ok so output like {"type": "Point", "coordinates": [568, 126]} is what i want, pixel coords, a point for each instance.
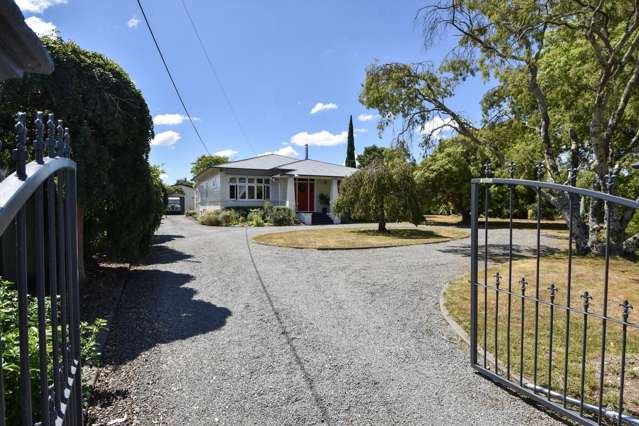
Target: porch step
{"type": "Point", "coordinates": [321, 219]}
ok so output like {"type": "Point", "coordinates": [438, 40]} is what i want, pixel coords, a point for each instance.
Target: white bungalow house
{"type": "Point", "coordinates": [308, 187]}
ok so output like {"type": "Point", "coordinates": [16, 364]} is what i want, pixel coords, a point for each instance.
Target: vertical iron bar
{"type": "Point", "coordinates": [74, 285]}
{"type": "Point", "coordinates": [497, 283]}
{"type": "Point", "coordinates": [62, 282]}
{"type": "Point", "coordinates": [53, 290]}
{"type": "Point", "coordinates": [553, 292]}
{"type": "Point", "coordinates": [42, 324]}
{"type": "Point", "coordinates": [521, 331]}
{"type": "Point", "coordinates": [604, 321]}
{"type": "Point", "coordinates": [23, 308]}
{"type": "Point", "coordinates": [473, 272]}
{"type": "Point", "coordinates": [510, 266]}
{"type": "Point", "coordinates": [584, 341]}
{"type": "Point", "coordinates": [2, 403]}
{"type": "Point", "coordinates": [536, 348]}
{"type": "Point", "coordinates": [571, 181]}
{"type": "Point", "coordinates": [624, 334]}
{"type": "Point", "coordinates": [486, 199]}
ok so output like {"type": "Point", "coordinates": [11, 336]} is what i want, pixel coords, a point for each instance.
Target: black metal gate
{"type": "Point", "coordinates": [520, 333]}
{"type": "Point", "coordinates": [38, 241]}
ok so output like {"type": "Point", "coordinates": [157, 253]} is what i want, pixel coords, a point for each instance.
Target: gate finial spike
{"type": "Point", "coordinates": [523, 284]}
{"type": "Point", "coordinates": [572, 176]}
{"type": "Point", "coordinates": [487, 170]}
{"type": "Point", "coordinates": [553, 292]}
{"type": "Point", "coordinates": [38, 142]}
{"type": "Point", "coordinates": [19, 154]}
{"type": "Point", "coordinates": [539, 169]}
{"type": "Point", "coordinates": [587, 297]}
{"type": "Point", "coordinates": [610, 182]}
{"type": "Point", "coordinates": [59, 133]}
{"type": "Point", "coordinates": [51, 136]}
{"type": "Point", "coordinates": [66, 143]}
{"type": "Point", "coordinates": [627, 307]}
{"type": "Point", "coordinates": [497, 279]}
{"type": "Point", "coordinates": [511, 168]}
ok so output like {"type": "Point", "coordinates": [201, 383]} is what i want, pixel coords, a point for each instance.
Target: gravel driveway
{"type": "Point", "coordinates": [313, 337]}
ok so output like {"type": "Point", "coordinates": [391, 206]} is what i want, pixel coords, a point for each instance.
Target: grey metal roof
{"type": "Point", "coordinates": [20, 48]}
{"type": "Point", "coordinates": [317, 168]}
{"type": "Point", "coordinates": [261, 162]}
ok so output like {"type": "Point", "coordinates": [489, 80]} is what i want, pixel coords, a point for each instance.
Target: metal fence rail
{"type": "Point", "coordinates": [497, 300]}
{"type": "Point", "coordinates": [38, 236]}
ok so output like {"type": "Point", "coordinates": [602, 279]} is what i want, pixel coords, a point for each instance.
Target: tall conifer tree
{"type": "Point", "coordinates": [350, 148]}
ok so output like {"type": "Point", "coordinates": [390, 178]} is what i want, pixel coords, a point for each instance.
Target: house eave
{"type": "Point", "coordinates": [20, 48]}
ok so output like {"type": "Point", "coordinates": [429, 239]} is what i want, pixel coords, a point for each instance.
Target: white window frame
{"type": "Point", "coordinates": [246, 181]}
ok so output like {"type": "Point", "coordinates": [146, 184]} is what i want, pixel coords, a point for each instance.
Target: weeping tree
{"type": "Point", "coordinates": [567, 70]}
{"type": "Point", "coordinates": [383, 191]}
{"type": "Point", "coordinates": [119, 194]}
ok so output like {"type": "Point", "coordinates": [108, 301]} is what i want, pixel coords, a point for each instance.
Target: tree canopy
{"type": "Point", "coordinates": [566, 71]}
{"type": "Point", "coordinates": [204, 162]}
{"type": "Point", "coordinates": [383, 191]}
{"type": "Point", "coordinates": [110, 129]}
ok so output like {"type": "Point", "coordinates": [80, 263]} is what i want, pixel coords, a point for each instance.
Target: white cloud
{"type": "Point", "coordinates": [37, 6]}
{"type": "Point", "coordinates": [228, 153]}
{"type": "Point", "coordinates": [171, 119]}
{"type": "Point", "coordinates": [361, 130]}
{"type": "Point", "coordinates": [319, 107]}
{"type": "Point", "coordinates": [323, 138]}
{"type": "Point", "coordinates": [438, 127]}
{"type": "Point", "coordinates": [287, 151]}
{"type": "Point", "coordinates": [365, 117]}
{"type": "Point", "coordinates": [164, 177]}
{"type": "Point", "coordinates": [133, 22]}
{"type": "Point", "coordinates": [40, 27]}
{"type": "Point", "coordinates": [168, 138]}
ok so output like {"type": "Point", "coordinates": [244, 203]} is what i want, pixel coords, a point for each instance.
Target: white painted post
{"type": "Point", "coordinates": [290, 193]}
{"type": "Point", "coordinates": [334, 193]}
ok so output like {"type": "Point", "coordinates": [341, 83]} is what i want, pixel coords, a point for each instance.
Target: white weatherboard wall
{"type": "Point", "coordinates": [208, 192]}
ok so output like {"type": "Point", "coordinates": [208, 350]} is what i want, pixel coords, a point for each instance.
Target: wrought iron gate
{"type": "Point", "coordinates": [38, 244]}
{"type": "Point", "coordinates": [503, 305]}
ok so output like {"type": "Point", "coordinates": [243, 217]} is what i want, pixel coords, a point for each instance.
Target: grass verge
{"type": "Point", "coordinates": [360, 238]}
{"type": "Point", "coordinates": [587, 274]}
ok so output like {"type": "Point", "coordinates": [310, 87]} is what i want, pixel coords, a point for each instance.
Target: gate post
{"type": "Point", "coordinates": [473, 273]}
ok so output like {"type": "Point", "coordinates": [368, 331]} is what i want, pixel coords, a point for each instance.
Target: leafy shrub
{"type": "Point", "coordinates": [231, 217]}
{"type": "Point", "coordinates": [255, 217]}
{"type": "Point", "coordinates": [191, 213]}
{"type": "Point", "coordinates": [282, 216]}
{"type": "Point", "coordinates": [211, 218]}
{"type": "Point", "coordinates": [268, 211]}
{"type": "Point", "coordinates": [11, 352]}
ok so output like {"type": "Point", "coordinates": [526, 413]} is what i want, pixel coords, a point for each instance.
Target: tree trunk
{"type": "Point", "coordinates": [465, 214]}
{"type": "Point", "coordinates": [80, 228]}
{"type": "Point", "coordinates": [381, 226]}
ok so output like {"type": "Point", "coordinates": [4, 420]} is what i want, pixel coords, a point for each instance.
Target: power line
{"type": "Point", "coordinates": [217, 78]}
{"type": "Point", "coordinates": [166, 67]}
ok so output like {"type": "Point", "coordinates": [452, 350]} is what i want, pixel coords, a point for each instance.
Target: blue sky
{"type": "Point", "coordinates": [293, 70]}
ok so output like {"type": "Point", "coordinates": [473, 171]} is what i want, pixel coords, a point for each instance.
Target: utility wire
{"type": "Point", "coordinates": [217, 78]}
{"type": "Point", "coordinates": [186, 111]}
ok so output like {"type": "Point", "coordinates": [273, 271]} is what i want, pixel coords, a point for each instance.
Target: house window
{"type": "Point", "coordinates": [249, 188]}
{"type": "Point", "coordinates": [233, 188]}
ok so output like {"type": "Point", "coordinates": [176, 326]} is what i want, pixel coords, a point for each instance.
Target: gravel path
{"type": "Point", "coordinates": [313, 337]}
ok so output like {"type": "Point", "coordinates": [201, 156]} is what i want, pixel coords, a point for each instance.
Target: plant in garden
{"type": "Point", "coordinates": [10, 349]}
{"type": "Point", "coordinates": [281, 216]}
{"type": "Point", "coordinates": [255, 217]}
{"type": "Point", "coordinates": [110, 129]}
{"type": "Point", "coordinates": [350, 146]}
{"type": "Point", "coordinates": [384, 191]}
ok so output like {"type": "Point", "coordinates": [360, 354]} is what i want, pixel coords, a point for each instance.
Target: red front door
{"type": "Point", "coordinates": [305, 195]}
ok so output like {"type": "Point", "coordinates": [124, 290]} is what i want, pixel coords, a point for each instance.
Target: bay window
{"type": "Point", "coordinates": [249, 188]}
